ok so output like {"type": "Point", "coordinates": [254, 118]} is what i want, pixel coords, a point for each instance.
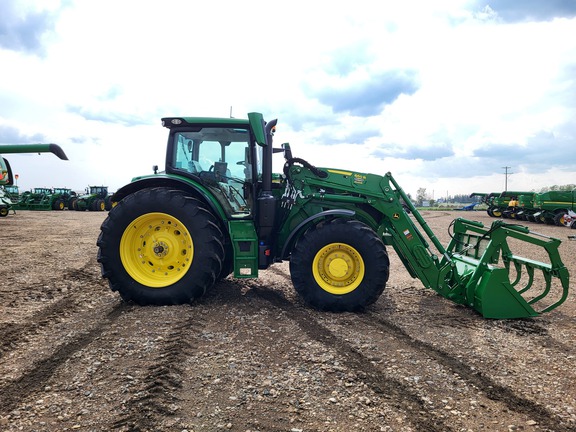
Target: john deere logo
{"type": "Point", "coordinates": [359, 179]}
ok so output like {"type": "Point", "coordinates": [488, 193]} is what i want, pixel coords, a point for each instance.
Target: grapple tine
{"type": "Point", "coordinates": [518, 268]}
{"type": "Point", "coordinates": [548, 279]}
{"type": "Point", "coordinates": [530, 272]}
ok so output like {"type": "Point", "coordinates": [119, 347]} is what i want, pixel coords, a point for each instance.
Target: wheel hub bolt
{"type": "Point", "coordinates": [160, 249]}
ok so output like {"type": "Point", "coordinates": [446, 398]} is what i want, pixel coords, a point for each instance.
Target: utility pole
{"type": "Point", "coordinates": [506, 174]}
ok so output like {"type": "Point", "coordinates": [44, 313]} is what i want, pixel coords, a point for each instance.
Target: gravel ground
{"type": "Point", "coordinates": [249, 356]}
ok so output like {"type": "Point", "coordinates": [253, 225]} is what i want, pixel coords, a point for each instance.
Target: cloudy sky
{"type": "Point", "coordinates": [444, 94]}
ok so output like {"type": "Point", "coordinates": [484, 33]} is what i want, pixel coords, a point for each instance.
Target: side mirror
{"type": "Point", "coordinates": [287, 151]}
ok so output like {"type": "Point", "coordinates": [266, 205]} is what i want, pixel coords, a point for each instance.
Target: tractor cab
{"type": "Point", "coordinates": [229, 157]}
{"type": "Point", "coordinates": [222, 160]}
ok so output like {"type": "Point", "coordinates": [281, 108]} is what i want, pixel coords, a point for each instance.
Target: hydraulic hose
{"type": "Point", "coordinates": [317, 172]}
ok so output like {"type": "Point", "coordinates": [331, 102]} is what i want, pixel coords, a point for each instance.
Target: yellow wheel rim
{"type": "Point", "coordinates": [338, 268]}
{"type": "Point", "coordinates": [156, 250]}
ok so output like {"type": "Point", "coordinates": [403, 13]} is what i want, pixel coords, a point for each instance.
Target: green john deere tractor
{"type": "Point", "coordinates": [6, 174]}
{"type": "Point", "coordinates": [218, 208]}
{"type": "Point", "coordinates": [96, 198]}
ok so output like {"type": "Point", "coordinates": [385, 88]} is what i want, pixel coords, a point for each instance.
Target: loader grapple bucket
{"type": "Point", "coordinates": [489, 274]}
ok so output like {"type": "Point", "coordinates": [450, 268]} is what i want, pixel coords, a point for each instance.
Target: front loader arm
{"type": "Point", "coordinates": [479, 268]}
{"type": "Point", "coordinates": [399, 230]}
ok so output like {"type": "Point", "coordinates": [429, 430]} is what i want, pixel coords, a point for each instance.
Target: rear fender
{"type": "Point", "coordinates": [194, 189]}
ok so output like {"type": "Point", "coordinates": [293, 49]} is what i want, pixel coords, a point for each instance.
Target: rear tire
{"type": "Point", "coordinates": [98, 205]}
{"type": "Point", "coordinates": [72, 204]}
{"type": "Point", "coordinates": [160, 247]}
{"type": "Point", "coordinates": [58, 205]}
{"type": "Point", "coordinates": [559, 219]}
{"type": "Point", "coordinates": [339, 266]}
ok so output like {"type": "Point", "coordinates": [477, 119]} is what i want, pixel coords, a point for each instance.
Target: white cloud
{"type": "Point", "coordinates": [107, 71]}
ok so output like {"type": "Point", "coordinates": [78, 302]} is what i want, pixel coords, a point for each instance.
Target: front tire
{"type": "Point", "coordinates": [339, 266]}
{"type": "Point", "coordinates": [160, 247]}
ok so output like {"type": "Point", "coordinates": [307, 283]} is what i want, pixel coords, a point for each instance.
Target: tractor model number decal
{"type": "Point", "coordinates": [359, 179]}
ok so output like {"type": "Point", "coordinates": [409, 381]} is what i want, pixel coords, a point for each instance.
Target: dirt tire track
{"type": "Point", "coordinates": [13, 393]}
{"type": "Point", "coordinates": [159, 398]}
{"type": "Point", "coordinates": [489, 387]}
{"type": "Point", "coordinates": [396, 393]}
{"type": "Point", "coordinates": [11, 335]}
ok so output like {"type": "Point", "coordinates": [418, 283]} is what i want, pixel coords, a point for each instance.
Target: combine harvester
{"type": "Point", "coordinates": [218, 208]}
{"type": "Point", "coordinates": [554, 205]}
{"type": "Point", "coordinates": [6, 174]}
{"type": "Point", "coordinates": [525, 207]}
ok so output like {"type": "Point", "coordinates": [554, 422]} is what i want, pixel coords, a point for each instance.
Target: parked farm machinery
{"type": "Point", "coordinates": [218, 208]}
{"type": "Point", "coordinates": [96, 198]}
{"type": "Point", "coordinates": [46, 199]}
{"type": "Point", "coordinates": [6, 174]}
{"type": "Point", "coordinates": [525, 207]}
{"type": "Point", "coordinates": [6, 202]}
{"type": "Point", "coordinates": [546, 207]}
{"type": "Point", "coordinates": [554, 205]}
{"type": "Point", "coordinates": [505, 204]}
{"type": "Point", "coordinates": [486, 199]}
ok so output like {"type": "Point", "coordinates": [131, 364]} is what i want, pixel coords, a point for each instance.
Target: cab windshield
{"type": "Point", "coordinates": [221, 158]}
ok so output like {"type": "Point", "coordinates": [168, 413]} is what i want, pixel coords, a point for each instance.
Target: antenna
{"type": "Point", "coordinates": [231, 111]}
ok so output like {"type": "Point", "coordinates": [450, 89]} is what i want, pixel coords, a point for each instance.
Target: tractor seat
{"type": "Point", "coordinates": [194, 167]}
